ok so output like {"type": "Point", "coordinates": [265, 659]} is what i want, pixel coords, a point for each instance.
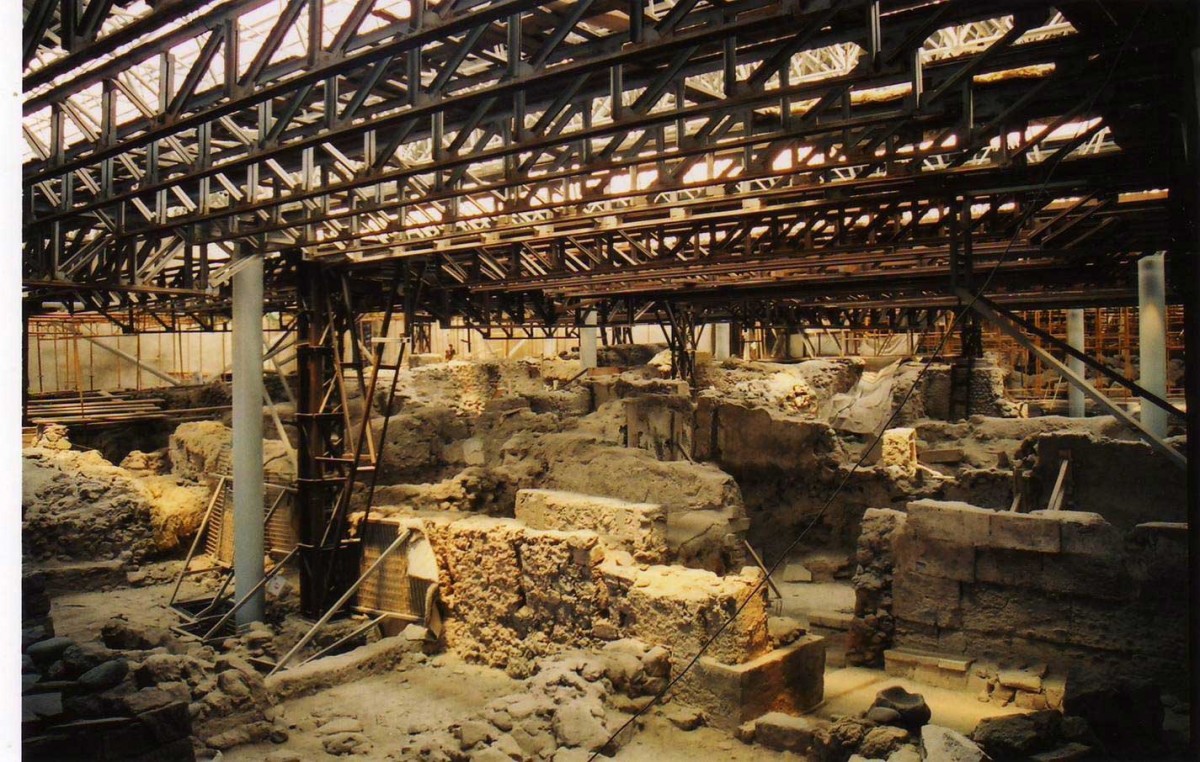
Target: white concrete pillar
{"type": "Point", "coordinates": [1075, 337]}
{"type": "Point", "coordinates": [588, 333]}
{"type": "Point", "coordinates": [248, 437]}
{"type": "Point", "coordinates": [722, 341]}
{"type": "Point", "coordinates": [1152, 339]}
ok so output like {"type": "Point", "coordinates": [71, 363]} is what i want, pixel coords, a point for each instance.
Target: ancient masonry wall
{"type": "Point", "coordinates": [637, 528]}
{"type": "Point", "coordinates": [1064, 588]}
{"type": "Point", "coordinates": [511, 594]}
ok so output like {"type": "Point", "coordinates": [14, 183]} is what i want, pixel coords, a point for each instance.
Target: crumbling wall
{"type": "Point", "coordinates": [872, 629]}
{"type": "Point", "coordinates": [980, 454]}
{"type": "Point", "coordinates": [637, 528]}
{"type": "Point", "coordinates": [77, 505]}
{"type": "Point", "coordinates": [631, 384]}
{"type": "Point", "coordinates": [681, 609]}
{"type": "Point", "coordinates": [703, 503]}
{"type": "Point", "coordinates": [416, 442]}
{"type": "Point", "coordinates": [196, 450]}
{"type": "Point", "coordinates": [470, 386]}
{"type": "Point", "coordinates": [1066, 588]}
{"type": "Point", "coordinates": [802, 388]}
{"type": "Point", "coordinates": [661, 424]}
{"type": "Point", "coordinates": [788, 468]}
{"type": "Point", "coordinates": [511, 594]}
{"type": "Point", "coordinates": [473, 490]}
{"type": "Point", "coordinates": [1124, 481]}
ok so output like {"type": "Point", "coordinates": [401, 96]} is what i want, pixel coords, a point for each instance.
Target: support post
{"type": "Point", "coordinates": [987, 310]}
{"type": "Point", "coordinates": [248, 439]}
{"type": "Point", "coordinates": [1075, 331]}
{"type": "Point", "coordinates": [1152, 338]}
{"type": "Point", "coordinates": [722, 345]}
{"type": "Point", "coordinates": [587, 340]}
{"type": "Point", "coordinates": [316, 492]}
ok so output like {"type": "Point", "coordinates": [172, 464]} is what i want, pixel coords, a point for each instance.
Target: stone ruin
{"type": "Point", "coordinates": [593, 539]}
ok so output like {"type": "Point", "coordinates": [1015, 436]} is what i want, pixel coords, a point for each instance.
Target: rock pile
{"type": "Point", "coordinates": [857, 739]}
{"type": "Point", "coordinates": [139, 693]}
{"type": "Point", "coordinates": [569, 709]}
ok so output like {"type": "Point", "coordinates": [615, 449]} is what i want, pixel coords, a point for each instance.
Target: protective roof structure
{"type": "Point", "coordinates": [537, 156]}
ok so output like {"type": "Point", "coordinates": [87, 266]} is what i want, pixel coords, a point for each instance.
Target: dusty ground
{"type": "Point", "coordinates": [446, 690]}
{"type": "Point", "coordinates": [80, 616]}
{"type": "Point", "coordinates": [391, 707]}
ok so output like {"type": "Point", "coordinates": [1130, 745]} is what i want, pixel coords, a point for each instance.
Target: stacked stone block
{"type": "Point", "coordinates": [638, 528]}
{"type": "Point", "coordinates": [1063, 587]}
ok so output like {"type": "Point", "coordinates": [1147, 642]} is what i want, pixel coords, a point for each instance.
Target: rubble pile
{"type": "Point", "coordinates": [139, 692]}
{"type": "Point", "coordinates": [78, 506]}
{"type": "Point", "coordinates": [569, 709]}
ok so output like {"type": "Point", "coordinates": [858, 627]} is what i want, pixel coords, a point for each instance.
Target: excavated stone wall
{"type": "Point", "coordinates": [1066, 588]}
{"type": "Point", "coordinates": [788, 468]}
{"type": "Point", "coordinates": [637, 528]}
{"type": "Point", "coordinates": [469, 387]}
{"type": "Point", "coordinates": [872, 629]}
{"type": "Point", "coordinates": [661, 424]}
{"type": "Point", "coordinates": [1124, 481]}
{"type": "Point", "coordinates": [511, 594]}
{"type": "Point", "coordinates": [632, 384]}
{"type": "Point", "coordinates": [705, 517]}
{"type": "Point", "coordinates": [195, 450]}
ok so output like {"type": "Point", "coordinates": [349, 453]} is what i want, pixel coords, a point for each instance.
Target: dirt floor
{"type": "Point", "coordinates": [443, 690]}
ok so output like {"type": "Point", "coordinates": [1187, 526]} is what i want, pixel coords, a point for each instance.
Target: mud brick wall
{"type": "Point", "coordinates": [1066, 588]}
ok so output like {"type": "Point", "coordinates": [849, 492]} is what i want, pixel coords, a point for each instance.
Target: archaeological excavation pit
{"type": "Point", "coordinates": [561, 381]}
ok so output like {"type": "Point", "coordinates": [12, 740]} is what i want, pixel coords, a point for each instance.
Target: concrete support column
{"type": "Point", "coordinates": [588, 333]}
{"type": "Point", "coordinates": [722, 341]}
{"type": "Point", "coordinates": [1152, 339]}
{"type": "Point", "coordinates": [248, 437]}
{"type": "Point", "coordinates": [1075, 337]}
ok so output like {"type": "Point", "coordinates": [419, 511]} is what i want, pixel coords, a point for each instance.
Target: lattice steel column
{"type": "Point", "coordinates": [314, 493]}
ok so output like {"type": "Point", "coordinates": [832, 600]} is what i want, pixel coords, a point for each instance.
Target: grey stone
{"type": "Point", "coordinates": [345, 743]}
{"type": "Point", "coordinates": [1023, 679]}
{"type": "Point", "coordinates": [105, 676]}
{"type": "Point", "coordinates": [1066, 753]}
{"type": "Point", "coordinates": [1018, 735]}
{"type": "Point", "coordinates": [474, 732]}
{"type": "Point", "coordinates": [508, 745]}
{"type": "Point", "coordinates": [685, 717]}
{"type": "Point", "coordinates": [49, 650]}
{"type": "Point", "coordinates": [911, 707]}
{"type": "Point", "coordinates": [946, 745]}
{"type": "Point", "coordinates": [78, 659]}
{"type": "Point", "coordinates": [907, 753]}
{"type": "Point", "coordinates": [340, 725]}
{"type": "Point", "coordinates": [882, 741]}
{"type": "Point", "coordinates": [883, 715]}
{"type": "Point", "coordinates": [784, 732]}
{"type": "Point", "coordinates": [489, 754]}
